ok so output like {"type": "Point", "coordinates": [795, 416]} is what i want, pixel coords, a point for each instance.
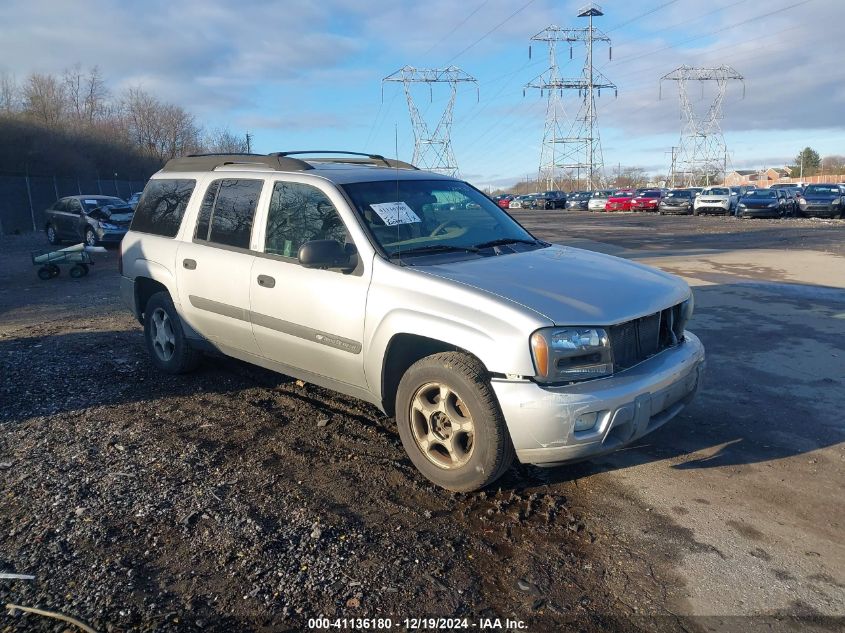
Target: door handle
{"type": "Point", "coordinates": [266, 281]}
{"type": "Point", "coordinates": [190, 264]}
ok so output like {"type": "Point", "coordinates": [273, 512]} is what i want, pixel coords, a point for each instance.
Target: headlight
{"type": "Point", "coordinates": [772, 205]}
{"type": "Point", "coordinates": [802, 203]}
{"type": "Point", "coordinates": [108, 225]}
{"type": "Point", "coordinates": [570, 354]}
{"type": "Point", "coordinates": [741, 205]}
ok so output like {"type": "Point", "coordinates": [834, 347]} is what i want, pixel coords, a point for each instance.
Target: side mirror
{"type": "Point", "coordinates": [328, 254]}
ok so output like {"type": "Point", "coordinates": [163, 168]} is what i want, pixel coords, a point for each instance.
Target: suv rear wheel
{"type": "Point", "coordinates": [166, 342]}
{"type": "Point", "coordinates": [450, 422]}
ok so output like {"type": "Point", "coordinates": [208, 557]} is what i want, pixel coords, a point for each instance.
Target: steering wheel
{"type": "Point", "coordinates": [442, 226]}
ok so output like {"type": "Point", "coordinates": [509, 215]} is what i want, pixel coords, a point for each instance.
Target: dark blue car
{"type": "Point", "coordinates": [825, 200]}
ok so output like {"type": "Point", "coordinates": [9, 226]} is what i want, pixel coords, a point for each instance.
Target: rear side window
{"type": "Point", "coordinates": [162, 206]}
{"type": "Point", "coordinates": [227, 212]}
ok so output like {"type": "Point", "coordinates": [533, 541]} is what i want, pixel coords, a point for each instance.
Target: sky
{"type": "Point", "coordinates": [302, 75]}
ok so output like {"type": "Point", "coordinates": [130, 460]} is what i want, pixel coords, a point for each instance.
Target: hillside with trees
{"type": "Point", "coordinates": [73, 125]}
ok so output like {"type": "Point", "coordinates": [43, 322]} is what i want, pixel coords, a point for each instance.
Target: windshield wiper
{"type": "Point", "coordinates": [433, 248]}
{"type": "Point", "coordinates": [504, 241]}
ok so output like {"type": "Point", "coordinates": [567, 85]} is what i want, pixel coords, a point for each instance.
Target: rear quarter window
{"type": "Point", "coordinates": [162, 206]}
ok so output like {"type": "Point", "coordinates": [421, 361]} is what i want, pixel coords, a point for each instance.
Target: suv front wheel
{"type": "Point", "coordinates": [166, 342]}
{"type": "Point", "coordinates": [450, 422]}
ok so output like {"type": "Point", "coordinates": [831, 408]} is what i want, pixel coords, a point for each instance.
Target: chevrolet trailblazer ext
{"type": "Point", "coordinates": [415, 292]}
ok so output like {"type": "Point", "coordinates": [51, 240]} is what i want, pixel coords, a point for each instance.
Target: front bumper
{"type": "Point", "coordinates": [759, 213]}
{"type": "Point", "coordinates": [824, 210]}
{"type": "Point", "coordinates": [128, 296]}
{"type": "Point", "coordinates": [110, 236]}
{"type": "Point", "coordinates": [676, 210]}
{"type": "Point", "coordinates": [629, 405]}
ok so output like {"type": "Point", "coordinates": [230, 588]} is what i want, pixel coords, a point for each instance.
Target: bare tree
{"type": "Point", "coordinates": [44, 99]}
{"type": "Point", "coordinates": [223, 141]}
{"type": "Point", "coordinates": [86, 93]}
{"type": "Point", "coordinates": [163, 130]}
{"type": "Point", "coordinates": [10, 94]}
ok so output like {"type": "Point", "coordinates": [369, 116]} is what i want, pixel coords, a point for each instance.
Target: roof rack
{"type": "Point", "coordinates": [277, 161]}
{"type": "Point", "coordinates": [208, 162]}
{"type": "Point", "coordinates": [357, 158]}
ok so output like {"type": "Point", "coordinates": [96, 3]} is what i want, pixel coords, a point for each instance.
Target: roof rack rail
{"type": "Point", "coordinates": [356, 158]}
{"type": "Point", "coordinates": [208, 162]}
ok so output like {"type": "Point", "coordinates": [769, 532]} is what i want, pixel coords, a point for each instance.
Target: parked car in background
{"type": "Point", "coordinates": [795, 192]}
{"type": "Point", "coordinates": [134, 198]}
{"type": "Point", "coordinates": [718, 200]}
{"type": "Point", "coordinates": [578, 200]}
{"type": "Point", "coordinates": [89, 219]}
{"type": "Point", "coordinates": [647, 200]}
{"type": "Point", "coordinates": [765, 203]}
{"type": "Point", "coordinates": [620, 201]}
{"type": "Point", "coordinates": [598, 199]}
{"type": "Point", "coordinates": [696, 191]}
{"type": "Point", "coordinates": [678, 201]}
{"type": "Point", "coordinates": [503, 201]}
{"type": "Point", "coordinates": [550, 200]}
{"type": "Point", "coordinates": [824, 200]}
{"type": "Point", "coordinates": [521, 202]}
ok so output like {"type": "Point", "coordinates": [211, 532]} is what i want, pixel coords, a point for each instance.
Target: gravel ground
{"type": "Point", "coordinates": [238, 499]}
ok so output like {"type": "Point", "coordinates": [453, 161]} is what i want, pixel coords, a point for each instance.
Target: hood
{"type": "Point", "coordinates": [570, 286]}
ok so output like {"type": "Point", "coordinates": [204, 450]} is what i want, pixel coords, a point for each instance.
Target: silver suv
{"type": "Point", "coordinates": [415, 292]}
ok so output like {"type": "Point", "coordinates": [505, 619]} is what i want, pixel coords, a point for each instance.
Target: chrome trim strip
{"type": "Point", "coordinates": [272, 323]}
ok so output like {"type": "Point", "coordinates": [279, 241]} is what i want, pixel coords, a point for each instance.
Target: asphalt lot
{"type": "Point", "coordinates": [236, 499]}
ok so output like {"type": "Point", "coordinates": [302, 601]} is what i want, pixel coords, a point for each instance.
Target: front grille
{"type": "Point", "coordinates": [637, 340]}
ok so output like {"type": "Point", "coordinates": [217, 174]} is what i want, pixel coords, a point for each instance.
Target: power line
{"type": "Point", "coordinates": [712, 33]}
{"type": "Point", "coordinates": [642, 15]}
{"type": "Point", "coordinates": [460, 24]}
{"type": "Point", "coordinates": [495, 28]}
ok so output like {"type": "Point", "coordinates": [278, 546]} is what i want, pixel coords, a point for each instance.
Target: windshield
{"type": "Point", "coordinates": [431, 214]}
{"type": "Point", "coordinates": [717, 191]}
{"type": "Point", "coordinates": [821, 189]}
{"type": "Point", "coordinates": [650, 194]}
{"type": "Point", "coordinates": [623, 194]}
{"type": "Point", "coordinates": [761, 193]}
{"type": "Point", "coordinates": [679, 194]}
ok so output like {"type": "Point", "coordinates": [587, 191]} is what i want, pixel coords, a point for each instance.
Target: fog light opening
{"type": "Point", "coordinates": [586, 421]}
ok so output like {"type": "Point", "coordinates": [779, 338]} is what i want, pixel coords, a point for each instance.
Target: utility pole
{"type": "Point", "coordinates": [432, 150]}
{"type": "Point", "coordinates": [580, 148]}
{"type": "Point", "coordinates": [702, 149]}
{"type": "Point", "coordinates": [248, 143]}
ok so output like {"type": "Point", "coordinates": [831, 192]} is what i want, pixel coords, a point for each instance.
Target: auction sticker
{"type": "Point", "coordinates": [393, 213]}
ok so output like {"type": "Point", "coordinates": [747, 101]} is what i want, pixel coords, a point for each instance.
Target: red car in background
{"type": "Point", "coordinates": [620, 201]}
{"type": "Point", "coordinates": [503, 200]}
{"type": "Point", "coordinates": [647, 201]}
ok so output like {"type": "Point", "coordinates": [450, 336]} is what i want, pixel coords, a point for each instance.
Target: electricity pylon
{"type": "Point", "coordinates": [432, 150]}
{"type": "Point", "coordinates": [701, 156]}
{"type": "Point", "coordinates": [579, 150]}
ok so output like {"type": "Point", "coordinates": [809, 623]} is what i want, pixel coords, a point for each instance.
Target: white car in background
{"type": "Point", "coordinates": [598, 200]}
{"type": "Point", "coordinates": [719, 200]}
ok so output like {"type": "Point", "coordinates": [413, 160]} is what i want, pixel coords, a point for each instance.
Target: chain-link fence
{"type": "Point", "coordinates": [23, 199]}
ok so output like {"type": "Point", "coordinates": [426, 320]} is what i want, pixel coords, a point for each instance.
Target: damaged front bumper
{"type": "Point", "coordinates": [628, 405]}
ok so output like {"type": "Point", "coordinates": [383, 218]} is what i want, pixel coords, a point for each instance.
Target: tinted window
{"type": "Point", "coordinates": [817, 189]}
{"type": "Point", "coordinates": [162, 206]}
{"type": "Point", "coordinates": [300, 213]}
{"type": "Point", "coordinates": [234, 203]}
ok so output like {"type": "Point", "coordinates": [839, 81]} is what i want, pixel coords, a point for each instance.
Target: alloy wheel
{"type": "Point", "coordinates": [442, 426]}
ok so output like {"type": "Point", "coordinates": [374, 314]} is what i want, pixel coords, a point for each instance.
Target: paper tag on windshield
{"type": "Point", "coordinates": [393, 213]}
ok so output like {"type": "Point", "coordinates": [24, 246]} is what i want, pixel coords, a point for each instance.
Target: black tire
{"type": "Point", "coordinates": [90, 237]}
{"type": "Point", "coordinates": [695, 211]}
{"type": "Point", "coordinates": [53, 235]}
{"type": "Point", "coordinates": [182, 357]}
{"type": "Point", "coordinates": [77, 271]}
{"type": "Point", "coordinates": [491, 451]}
{"type": "Point", "coordinates": [45, 274]}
